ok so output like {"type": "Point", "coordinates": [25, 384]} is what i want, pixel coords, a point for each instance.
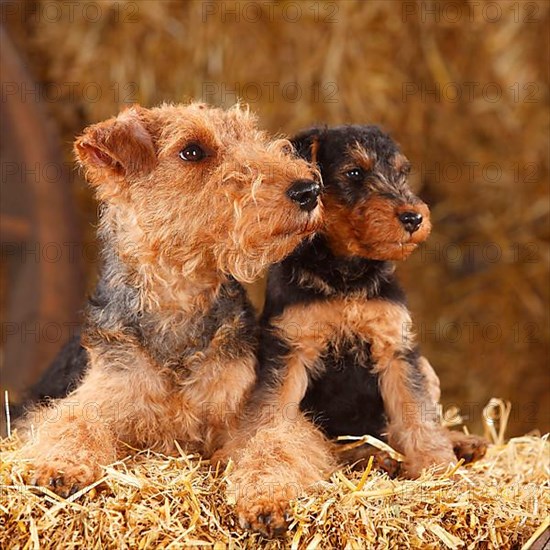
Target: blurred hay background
{"type": "Point", "coordinates": [479, 288]}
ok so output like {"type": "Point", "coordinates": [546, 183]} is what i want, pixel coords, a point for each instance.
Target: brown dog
{"type": "Point", "coordinates": [193, 199]}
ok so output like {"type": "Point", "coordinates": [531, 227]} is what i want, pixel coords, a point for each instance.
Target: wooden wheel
{"type": "Point", "coordinates": [42, 282]}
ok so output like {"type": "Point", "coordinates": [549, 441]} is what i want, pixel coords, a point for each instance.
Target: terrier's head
{"type": "Point", "coordinates": [199, 189]}
{"type": "Point", "coordinates": [370, 211]}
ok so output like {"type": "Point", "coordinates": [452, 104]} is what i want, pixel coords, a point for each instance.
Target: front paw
{"type": "Point", "coordinates": [438, 462]}
{"type": "Point", "coordinates": [386, 463]}
{"type": "Point", "coordinates": [266, 512]}
{"type": "Point", "coordinates": [382, 460]}
{"type": "Point", "coordinates": [469, 447]}
{"type": "Point", "coordinates": [63, 477]}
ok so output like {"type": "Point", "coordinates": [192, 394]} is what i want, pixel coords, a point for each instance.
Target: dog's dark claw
{"type": "Point", "coordinates": [244, 524]}
{"type": "Point", "coordinates": [55, 482]}
{"type": "Point", "coordinates": [266, 520]}
{"type": "Point", "coordinates": [468, 458]}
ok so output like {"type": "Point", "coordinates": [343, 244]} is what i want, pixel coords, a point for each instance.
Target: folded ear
{"type": "Point", "coordinates": [120, 148]}
{"type": "Point", "coordinates": [307, 143]}
{"type": "Point", "coordinates": [401, 164]}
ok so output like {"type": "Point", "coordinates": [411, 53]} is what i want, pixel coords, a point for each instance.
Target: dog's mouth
{"type": "Point", "coordinates": [305, 225]}
{"type": "Point", "coordinates": [389, 250]}
{"type": "Point", "coordinates": [395, 244]}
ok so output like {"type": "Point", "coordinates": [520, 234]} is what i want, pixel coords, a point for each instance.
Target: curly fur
{"type": "Point", "coordinates": [170, 338]}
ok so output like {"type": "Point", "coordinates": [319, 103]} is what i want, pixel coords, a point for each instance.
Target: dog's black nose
{"type": "Point", "coordinates": [304, 193]}
{"type": "Point", "coordinates": [411, 221]}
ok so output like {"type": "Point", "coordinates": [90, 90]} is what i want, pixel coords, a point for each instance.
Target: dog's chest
{"type": "Point", "coordinates": [343, 394]}
{"type": "Point", "coordinates": [224, 331]}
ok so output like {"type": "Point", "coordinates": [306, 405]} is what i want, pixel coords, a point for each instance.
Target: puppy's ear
{"type": "Point", "coordinates": [307, 143]}
{"type": "Point", "coordinates": [401, 164]}
{"type": "Point", "coordinates": [118, 148]}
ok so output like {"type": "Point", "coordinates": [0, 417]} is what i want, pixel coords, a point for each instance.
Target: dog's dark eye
{"type": "Point", "coordinates": [355, 174]}
{"type": "Point", "coordinates": [287, 149]}
{"type": "Point", "coordinates": [192, 153]}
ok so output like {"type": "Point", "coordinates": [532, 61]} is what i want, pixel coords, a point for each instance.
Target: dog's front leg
{"type": "Point", "coordinates": [413, 427]}
{"type": "Point", "coordinates": [279, 462]}
{"type": "Point", "coordinates": [278, 452]}
{"type": "Point", "coordinates": [68, 441]}
{"type": "Point", "coordinates": [408, 387]}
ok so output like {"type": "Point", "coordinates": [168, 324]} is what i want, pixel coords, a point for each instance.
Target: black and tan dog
{"type": "Point", "coordinates": [337, 345]}
{"type": "Point", "coordinates": [193, 200]}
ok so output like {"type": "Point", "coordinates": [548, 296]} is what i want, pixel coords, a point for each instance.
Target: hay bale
{"type": "Point", "coordinates": [150, 500]}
